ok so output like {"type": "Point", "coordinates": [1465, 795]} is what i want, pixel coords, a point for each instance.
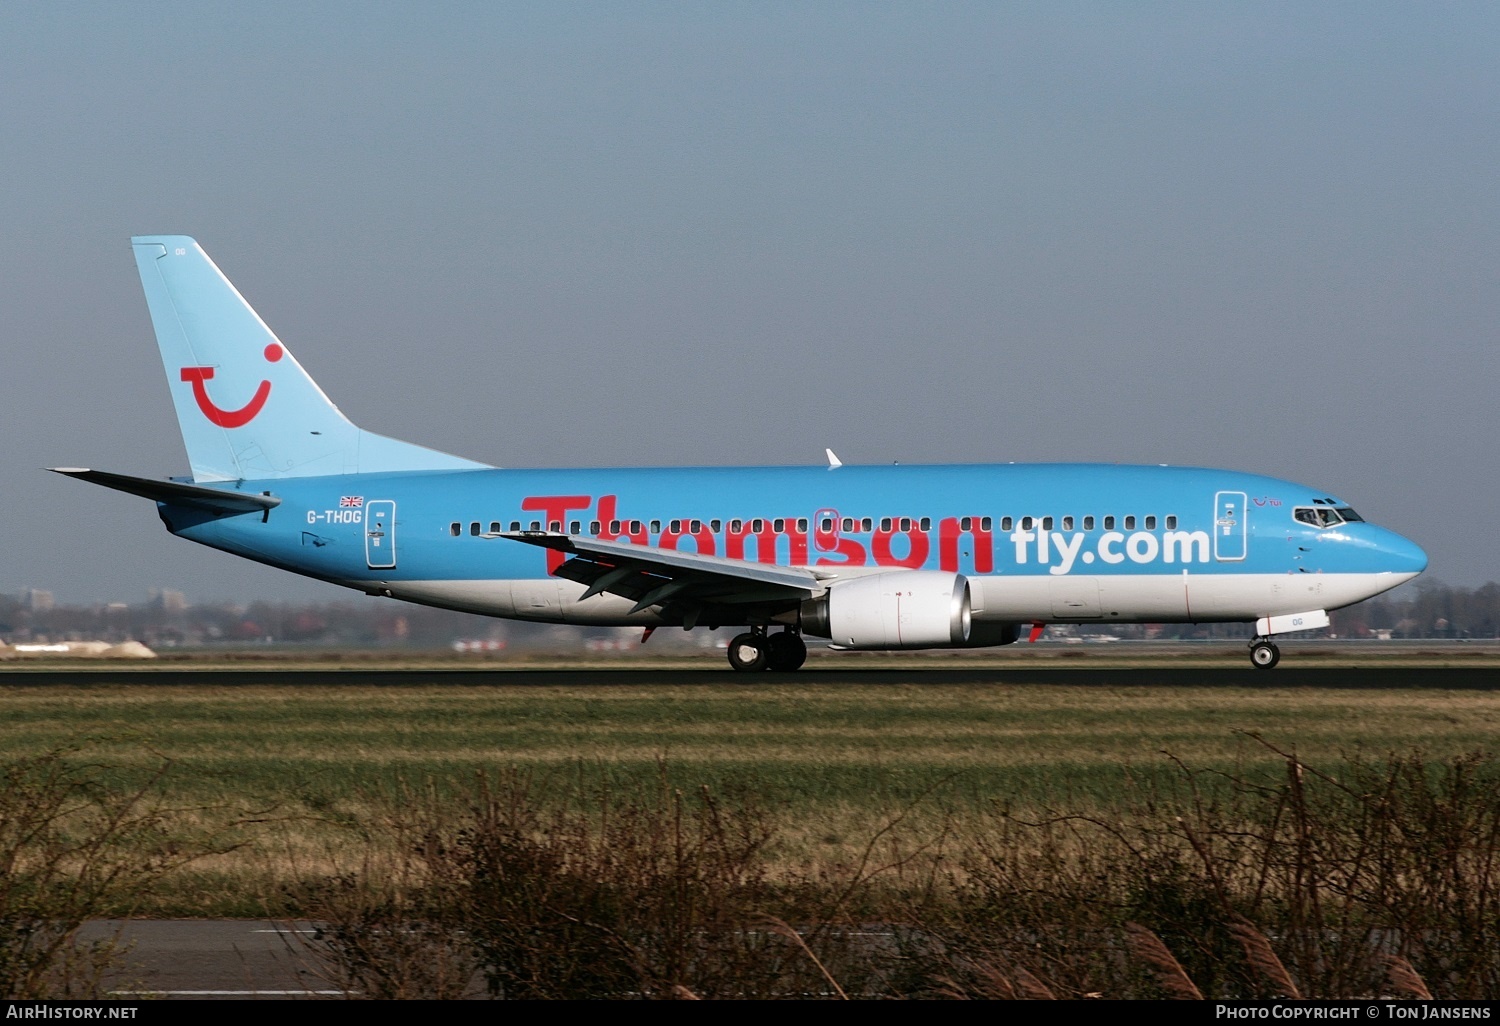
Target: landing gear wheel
{"type": "Point", "coordinates": [785, 652]}
{"type": "Point", "coordinates": [748, 653]}
{"type": "Point", "coordinates": [1264, 655]}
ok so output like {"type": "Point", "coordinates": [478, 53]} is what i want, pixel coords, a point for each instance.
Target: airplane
{"type": "Point", "coordinates": [868, 557]}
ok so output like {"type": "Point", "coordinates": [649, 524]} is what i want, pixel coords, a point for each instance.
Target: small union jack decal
{"type": "Point", "coordinates": [352, 500]}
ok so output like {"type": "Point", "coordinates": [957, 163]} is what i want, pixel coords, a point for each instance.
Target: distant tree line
{"type": "Point", "coordinates": [1428, 609]}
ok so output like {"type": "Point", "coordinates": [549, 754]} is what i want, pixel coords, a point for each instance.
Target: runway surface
{"type": "Point", "coordinates": [1309, 675]}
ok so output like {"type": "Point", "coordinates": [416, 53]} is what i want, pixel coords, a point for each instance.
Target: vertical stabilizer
{"type": "Point", "coordinates": [246, 407]}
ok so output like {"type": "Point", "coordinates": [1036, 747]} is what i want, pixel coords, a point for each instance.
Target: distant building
{"type": "Point", "coordinates": [38, 601]}
{"type": "Point", "coordinates": [168, 600]}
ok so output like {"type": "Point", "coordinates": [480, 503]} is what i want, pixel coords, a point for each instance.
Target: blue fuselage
{"type": "Point", "coordinates": [1014, 528]}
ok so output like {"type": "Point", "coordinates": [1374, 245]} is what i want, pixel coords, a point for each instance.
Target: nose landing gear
{"type": "Point", "coordinates": [1264, 654]}
{"type": "Point", "coordinates": [757, 650]}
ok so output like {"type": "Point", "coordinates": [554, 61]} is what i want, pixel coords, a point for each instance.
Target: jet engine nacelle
{"type": "Point", "coordinates": [901, 609]}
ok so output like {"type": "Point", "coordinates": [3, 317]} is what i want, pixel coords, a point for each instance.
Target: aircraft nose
{"type": "Point", "coordinates": [1401, 555]}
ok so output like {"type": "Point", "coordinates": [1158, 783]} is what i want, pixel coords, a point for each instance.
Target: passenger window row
{"type": "Point", "coordinates": [852, 525]}
{"type": "Point", "coordinates": [1069, 523]}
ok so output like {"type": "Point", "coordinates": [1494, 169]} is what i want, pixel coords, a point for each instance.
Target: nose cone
{"type": "Point", "coordinates": [1401, 555]}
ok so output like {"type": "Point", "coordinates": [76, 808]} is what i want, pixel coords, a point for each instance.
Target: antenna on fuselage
{"type": "Point", "coordinates": [834, 462]}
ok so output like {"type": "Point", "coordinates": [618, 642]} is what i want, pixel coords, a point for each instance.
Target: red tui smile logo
{"type": "Point", "coordinates": [230, 418]}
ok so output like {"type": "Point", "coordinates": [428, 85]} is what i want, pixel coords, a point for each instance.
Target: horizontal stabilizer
{"type": "Point", "coordinates": [215, 500]}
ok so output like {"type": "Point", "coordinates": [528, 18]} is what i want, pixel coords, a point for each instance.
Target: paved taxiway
{"type": "Point", "coordinates": [215, 959]}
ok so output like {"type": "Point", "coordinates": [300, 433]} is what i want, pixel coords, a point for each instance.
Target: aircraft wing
{"type": "Point", "coordinates": [651, 576]}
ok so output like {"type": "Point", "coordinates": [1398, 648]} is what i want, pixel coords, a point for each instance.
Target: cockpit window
{"type": "Point", "coordinates": [1324, 516]}
{"type": "Point", "coordinates": [1349, 515]}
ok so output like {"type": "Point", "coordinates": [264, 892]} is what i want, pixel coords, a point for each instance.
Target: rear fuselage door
{"type": "Point", "coordinates": [380, 534]}
{"type": "Point", "coordinates": [1229, 526]}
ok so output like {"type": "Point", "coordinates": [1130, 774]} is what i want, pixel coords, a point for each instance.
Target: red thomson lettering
{"type": "Point", "coordinates": [555, 508]}
{"type": "Point", "coordinates": [852, 551]}
{"type": "Point", "coordinates": [949, 533]}
{"type": "Point", "coordinates": [608, 515]}
{"type": "Point", "coordinates": [703, 538]}
{"type": "Point", "coordinates": [765, 541]}
{"type": "Point", "coordinates": [916, 553]}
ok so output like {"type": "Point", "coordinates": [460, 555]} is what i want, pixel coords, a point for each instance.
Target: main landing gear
{"type": "Point", "coordinates": [757, 650]}
{"type": "Point", "coordinates": [1264, 654]}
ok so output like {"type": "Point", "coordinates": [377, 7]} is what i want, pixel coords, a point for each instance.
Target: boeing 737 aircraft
{"type": "Point", "coordinates": [872, 557]}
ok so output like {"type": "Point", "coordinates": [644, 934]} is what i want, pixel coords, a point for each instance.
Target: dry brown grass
{"type": "Point", "coordinates": [833, 761]}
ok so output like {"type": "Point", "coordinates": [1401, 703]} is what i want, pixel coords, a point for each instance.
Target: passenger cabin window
{"type": "Point", "coordinates": [575, 528]}
{"type": "Point", "coordinates": [455, 529]}
{"type": "Point", "coordinates": [474, 529]}
{"type": "Point", "coordinates": [866, 525]}
{"type": "Point", "coordinates": [494, 527]}
{"type": "Point", "coordinates": [1109, 523]}
{"type": "Point", "coordinates": [1088, 523]}
{"type": "Point", "coordinates": [1171, 523]}
{"type": "Point", "coordinates": [656, 527]}
{"type": "Point", "coordinates": [694, 526]}
{"type": "Point", "coordinates": [1067, 523]}
{"type": "Point", "coordinates": [1046, 523]}
{"type": "Point", "coordinates": [1130, 523]}
{"type": "Point", "coordinates": [515, 525]}
{"type": "Point", "coordinates": [1150, 523]}
{"type": "Point", "coordinates": [906, 523]}
{"type": "Point", "coordinates": [926, 523]}
{"type": "Point", "coordinates": [734, 526]}
{"type": "Point", "coordinates": [1026, 523]}
{"type": "Point", "coordinates": [778, 525]}
{"type": "Point", "coordinates": [984, 524]}
{"type": "Point", "coordinates": [848, 525]}
{"type": "Point", "coordinates": [1006, 523]}
{"type": "Point", "coordinates": [885, 523]}
{"type": "Point", "coordinates": [594, 528]}
{"type": "Point", "coordinates": [966, 524]}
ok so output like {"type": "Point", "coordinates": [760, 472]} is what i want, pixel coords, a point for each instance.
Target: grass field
{"type": "Point", "coordinates": [832, 764]}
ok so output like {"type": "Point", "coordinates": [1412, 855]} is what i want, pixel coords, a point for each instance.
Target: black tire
{"type": "Point", "coordinates": [748, 653]}
{"type": "Point", "coordinates": [1264, 655]}
{"type": "Point", "coordinates": [785, 652]}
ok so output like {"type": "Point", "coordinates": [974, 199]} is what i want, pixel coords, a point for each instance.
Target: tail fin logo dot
{"type": "Point", "coordinates": [197, 376]}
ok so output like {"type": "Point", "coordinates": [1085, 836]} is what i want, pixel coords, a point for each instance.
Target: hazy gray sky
{"type": "Point", "coordinates": [1261, 236]}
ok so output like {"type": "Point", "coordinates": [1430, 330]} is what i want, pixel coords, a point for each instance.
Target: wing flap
{"type": "Point", "coordinates": [658, 576]}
